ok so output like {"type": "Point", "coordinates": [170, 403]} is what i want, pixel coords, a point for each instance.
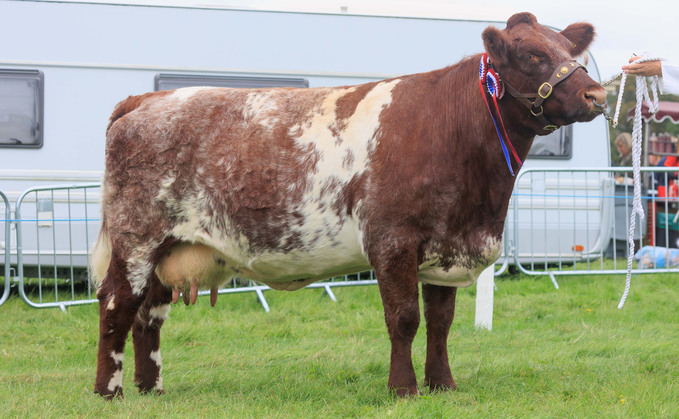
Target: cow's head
{"type": "Point", "coordinates": [537, 62]}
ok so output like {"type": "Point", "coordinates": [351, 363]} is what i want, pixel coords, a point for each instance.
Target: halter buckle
{"type": "Point", "coordinates": [549, 92]}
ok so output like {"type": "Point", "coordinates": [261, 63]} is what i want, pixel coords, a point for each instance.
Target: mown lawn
{"type": "Point", "coordinates": [551, 353]}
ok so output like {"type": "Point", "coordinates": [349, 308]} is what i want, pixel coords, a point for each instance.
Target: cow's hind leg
{"type": "Point", "coordinates": [146, 337]}
{"type": "Point", "coordinates": [439, 308]}
{"type": "Point", "coordinates": [119, 301]}
{"type": "Point", "coordinates": [397, 281]}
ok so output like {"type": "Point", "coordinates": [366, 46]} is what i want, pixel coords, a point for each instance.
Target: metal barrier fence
{"type": "Point", "coordinates": [559, 222]}
{"type": "Point", "coordinates": [235, 286]}
{"type": "Point", "coordinates": [55, 227]}
{"type": "Point", "coordinates": [575, 222]}
{"type": "Point", "coordinates": [5, 226]}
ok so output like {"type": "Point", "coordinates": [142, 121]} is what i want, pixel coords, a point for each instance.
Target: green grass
{"type": "Point", "coordinates": [551, 353]}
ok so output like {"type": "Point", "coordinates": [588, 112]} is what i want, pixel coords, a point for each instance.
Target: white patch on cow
{"type": "Point", "coordinates": [192, 210]}
{"type": "Point", "coordinates": [261, 107]}
{"type": "Point", "coordinates": [139, 273]}
{"type": "Point", "coordinates": [118, 358]}
{"type": "Point", "coordinates": [111, 303]}
{"type": "Point", "coordinates": [155, 357]}
{"type": "Point", "coordinates": [356, 136]}
{"type": "Point", "coordinates": [186, 92]}
{"type": "Point", "coordinates": [116, 380]}
{"type": "Point", "coordinates": [459, 275]}
{"type": "Point", "coordinates": [140, 268]}
{"type": "Point", "coordinates": [160, 312]}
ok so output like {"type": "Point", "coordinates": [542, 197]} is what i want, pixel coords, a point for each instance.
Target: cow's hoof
{"type": "Point", "coordinates": [444, 383]}
{"type": "Point", "coordinates": [436, 387]}
{"type": "Point", "coordinates": [107, 394]}
{"type": "Point", "coordinates": [406, 391]}
{"type": "Point", "coordinates": [149, 390]}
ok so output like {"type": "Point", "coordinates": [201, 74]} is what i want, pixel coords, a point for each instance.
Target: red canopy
{"type": "Point", "coordinates": [665, 110]}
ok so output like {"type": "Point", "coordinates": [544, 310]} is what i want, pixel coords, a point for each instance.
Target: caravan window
{"type": "Point", "coordinates": [556, 145]}
{"type": "Point", "coordinates": [175, 81]}
{"type": "Point", "coordinates": [21, 104]}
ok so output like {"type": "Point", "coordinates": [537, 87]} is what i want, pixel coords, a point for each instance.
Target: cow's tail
{"type": "Point", "coordinates": [101, 256]}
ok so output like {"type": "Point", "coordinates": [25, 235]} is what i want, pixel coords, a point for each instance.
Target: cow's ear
{"type": "Point", "coordinates": [580, 35]}
{"type": "Point", "coordinates": [497, 45]}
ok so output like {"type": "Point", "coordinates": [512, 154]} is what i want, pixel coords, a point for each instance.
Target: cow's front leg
{"type": "Point", "coordinates": [439, 309]}
{"type": "Point", "coordinates": [397, 280]}
{"type": "Point", "coordinates": [146, 337]}
{"type": "Point", "coordinates": [118, 307]}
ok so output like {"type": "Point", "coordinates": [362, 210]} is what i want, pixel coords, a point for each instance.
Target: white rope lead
{"type": "Point", "coordinates": [637, 208]}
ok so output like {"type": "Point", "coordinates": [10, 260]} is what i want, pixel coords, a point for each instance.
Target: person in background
{"type": "Point", "coordinates": [657, 178]}
{"type": "Point", "coordinates": [661, 179]}
{"type": "Point", "coordinates": [624, 145]}
{"type": "Point", "coordinates": [656, 160]}
{"type": "Point", "coordinates": [668, 71]}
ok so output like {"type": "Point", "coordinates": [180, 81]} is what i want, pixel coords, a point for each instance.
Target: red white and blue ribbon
{"type": "Point", "coordinates": [489, 79]}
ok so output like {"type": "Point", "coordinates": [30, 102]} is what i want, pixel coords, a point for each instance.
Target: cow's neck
{"type": "Point", "coordinates": [464, 102]}
{"type": "Point", "coordinates": [475, 141]}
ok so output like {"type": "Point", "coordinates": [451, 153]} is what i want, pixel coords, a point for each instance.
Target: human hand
{"type": "Point", "coordinates": [647, 68]}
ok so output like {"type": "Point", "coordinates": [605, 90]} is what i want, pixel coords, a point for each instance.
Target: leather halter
{"type": "Point", "coordinates": [533, 101]}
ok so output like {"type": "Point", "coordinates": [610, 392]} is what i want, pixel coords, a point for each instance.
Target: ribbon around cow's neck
{"type": "Point", "coordinates": [489, 81]}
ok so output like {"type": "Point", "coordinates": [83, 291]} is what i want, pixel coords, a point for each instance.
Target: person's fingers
{"type": "Point", "coordinates": [647, 68]}
{"type": "Point", "coordinates": [630, 69]}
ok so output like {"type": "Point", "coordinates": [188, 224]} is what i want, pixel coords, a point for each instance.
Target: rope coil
{"type": "Point", "coordinates": [637, 209]}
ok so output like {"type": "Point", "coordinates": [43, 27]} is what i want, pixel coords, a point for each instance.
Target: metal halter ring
{"type": "Point", "coordinates": [602, 105]}
{"type": "Point", "coordinates": [549, 92]}
{"type": "Point", "coordinates": [536, 114]}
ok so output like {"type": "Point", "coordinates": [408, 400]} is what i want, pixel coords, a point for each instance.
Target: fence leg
{"type": "Point", "coordinates": [553, 278]}
{"type": "Point", "coordinates": [484, 299]}
{"type": "Point", "coordinates": [329, 292]}
{"type": "Point", "coordinates": [260, 296]}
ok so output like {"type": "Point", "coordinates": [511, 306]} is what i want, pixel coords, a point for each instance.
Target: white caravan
{"type": "Point", "coordinates": [64, 66]}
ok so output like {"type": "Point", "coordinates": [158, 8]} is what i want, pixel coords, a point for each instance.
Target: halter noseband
{"type": "Point", "coordinates": [533, 101]}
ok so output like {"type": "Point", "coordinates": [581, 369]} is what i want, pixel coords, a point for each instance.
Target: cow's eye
{"type": "Point", "coordinates": [534, 58]}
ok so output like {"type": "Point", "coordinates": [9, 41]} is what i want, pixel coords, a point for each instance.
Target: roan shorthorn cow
{"type": "Point", "coordinates": [410, 177]}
